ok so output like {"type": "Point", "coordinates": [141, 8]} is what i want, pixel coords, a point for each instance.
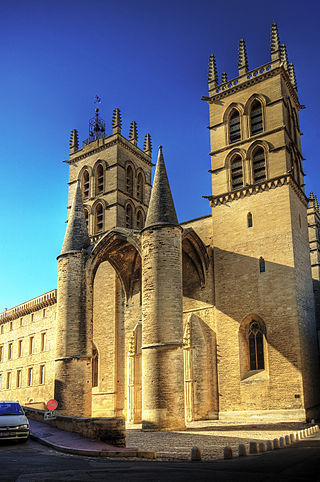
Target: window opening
{"type": "Point", "coordinates": [234, 127]}
{"type": "Point", "coordinates": [130, 180]}
{"type": "Point", "coordinates": [19, 348]}
{"type": "Point", "coordinates": [99, 179]}
{"type": "Point", "coordinates": [95, 367]}
{"type": "Point", "coordinates": [140, 187]}
{"type": "Point", "coordinates": [262, 265]}
{"type": "Point", "coordinates": [10, 351]}
{"type": "Point", "coordinates": [9, 380]}
{"type": "Point", "coordinates": [42, 371]}
{"type": "Point", "coordinates": [1, 353]}
{"type": "Point", "coordinates": [43, 341]}
{"type": "Point", "coordinates": [99, 218]}
{"type": "Point", "coordinates": [18, 378]}
{"type": "Point", "coordinates": [256, 346]}
{"type": "Point", "coordinates": [86, 217]}
{"type": "Point", "coordinates": [259, 165]}
{"type": "Point", "coordinates": [129, 216]}
{"type": "Point", "coordinates": [30, 371]}
{"type": "Point", "coordinates": [256, 118]}
{"type": "Point", "coordinates": [236, 173]}
{"type": "Point", "coordinates": [31, 340]}
{"type": "Point", "coordinates": [85, 184]}
{"type": "Point", "coordinates": [250, 223]}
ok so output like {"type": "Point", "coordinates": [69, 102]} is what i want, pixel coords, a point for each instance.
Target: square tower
{"type": "Point", "coordinates": [266, 330]}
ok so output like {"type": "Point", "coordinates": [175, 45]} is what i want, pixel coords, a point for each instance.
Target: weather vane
{"type": "Point", "coordinates": [97, 100]}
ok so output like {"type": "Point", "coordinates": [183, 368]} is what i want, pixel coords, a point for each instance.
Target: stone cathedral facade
{"type": "Point", "coordinates": [165, 323]}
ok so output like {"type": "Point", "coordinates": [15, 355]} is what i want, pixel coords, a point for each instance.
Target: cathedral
{"type": "Point", "coordinates": [165, 322]}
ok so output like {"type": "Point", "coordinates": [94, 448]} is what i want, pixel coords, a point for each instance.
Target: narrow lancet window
{"type": "Point", "coordinates": [259, 165]}
{"type": "Point", "coordinates": [236, 173]}
{"type": "Point", "coordinates": [262, 265]}
{"type": "Point", "coordinates": [95, 367]}
{"type": "Point", "coordinates": [129, 216]}
{"type": "Point", "coordinates": [234, 127]}
{"type": "Point", "coordinates": [99, 179]}
{"type": "Point", "coordinates": [256, 118]}
{"type": "Point", "coordinates": [249, 219]}
{"type": "Point", "coordinates": [256, 346]}
{"type": "Point", "coordinates": [129, 180]}
{"type": "Point", "coordinates": [99, 218]}
{"type": "Point", "coordinates": [140, 187]}
{"type": "Point", "coordinates": [85, 182]}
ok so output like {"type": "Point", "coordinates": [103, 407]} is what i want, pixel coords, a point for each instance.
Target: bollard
{"type": "Point", "coordinates": [262, 447]}
{"type": "Point", "coordinates": [195, 454]}
{"type": "Point", "coordinates": [242, 450]}
{"type": "Point", "coordinates": [269, 445]}
{"type": "Point", "coordinates": [276, 443]}
{"type": "Point", "coordinates": [302, 435]}
{"type": "Point", "coordinates": [287, 440]}
{"type": "Point", "coordinates": [281, 442]}
{"type": "Point", "coordinates": [253, 447]}
{"type": "Point", "coordinates": [312, 421]}
{"type": "Point", "coordinates": [227, 452]}
{"type": "Point", "coordinates": [292, 438]}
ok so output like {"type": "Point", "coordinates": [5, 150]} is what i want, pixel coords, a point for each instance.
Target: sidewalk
{"type": "Point", "coordinates": [73, 443]}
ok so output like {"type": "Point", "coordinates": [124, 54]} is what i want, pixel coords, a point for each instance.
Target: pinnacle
{"type": "Point", "coordinates": [224, 77]}
{"type": "Point", "coordinates": [292, 75]}
{"type": "Point", "coordinates": [161, 208]}
{"type": "Point", "coordinates": [74, 141]}
{"type": "Point", "coordinates": [212, 70]}
{"type": "Point", "coordinates": [116, 121]}
{"type": "Point", "coordinates": [147, 146]}
{"type": "Point", "coordinates": [242, 57]}
{"type": "Point", "coordinates": [275, 42]}
{"type": "Point", "coordinates": [133, 133]}
{"type": "Point", "coordinates": [284, 56]}
{"type": "Point", "coordinates": [76, 237]}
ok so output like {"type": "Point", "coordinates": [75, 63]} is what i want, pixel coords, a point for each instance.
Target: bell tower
{"type": "Point", "coordinates": [114, 173]}
{"type": "Point", "coordinates": [263, 283]}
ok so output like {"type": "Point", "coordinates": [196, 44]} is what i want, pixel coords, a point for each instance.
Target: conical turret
{"type": "Point", "coordinates": [161, 208]}
{"type": "Point", "coordinates": [212, 73]}
{"type": "Point", "coordinates": [74, 141]}
{"type": "Point", "coordinates": [275, 42]}
{"type": "Point", "coordinates": [242, 58]}
{"type": "Point", "coordinates": [116, 121]}
{"type": "Point", "coordinates": [76, 237]}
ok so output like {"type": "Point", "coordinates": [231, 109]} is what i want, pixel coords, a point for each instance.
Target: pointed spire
{"type": "Point", "coordinates": [224, 77]}
{"type": "Point", "coordinates": [147, 146]}
{"type": "Point", "coordinates": [292, 75]}
{"type": "Point", "coordinates": [74, 141]}
{"type": "Point", "coordinates": [275, 42]}
{"type": "Point", "coordinates": [284, 56]}
{"type": "Point", "coordinates": [242, 58]}
{"type": "Point", "coordinates": [116, 121]}
{"type": "Point", "coordinates": [161, 208]}
{"type": "Point", "coordinates": [212, 72]}
{"type": "Point", "coordinates": [76, 237]}
{"type": "Point", "coordinates": [133, 133]}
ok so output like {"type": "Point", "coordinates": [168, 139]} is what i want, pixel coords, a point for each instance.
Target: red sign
{"type": "Point", "coordinates": [52, 404]}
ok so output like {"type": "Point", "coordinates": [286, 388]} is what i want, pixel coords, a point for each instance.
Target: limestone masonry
{"type": "Point", "coordinates": [162, 322]}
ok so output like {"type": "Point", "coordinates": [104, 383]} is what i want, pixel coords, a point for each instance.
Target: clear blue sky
{"type": "Point", "coordinates": [149, 58]}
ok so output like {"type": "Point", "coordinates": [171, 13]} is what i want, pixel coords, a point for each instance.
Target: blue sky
{"type": "Point", "coordinates": [149, 59]}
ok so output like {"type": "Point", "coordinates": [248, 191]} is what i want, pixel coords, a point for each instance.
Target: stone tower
{"type": "Point", "coordinates": [162, 335]}
{"type": "Point", "coordinates": [260, 239]}
{"type": "Point", "coordinates": [115, 175]}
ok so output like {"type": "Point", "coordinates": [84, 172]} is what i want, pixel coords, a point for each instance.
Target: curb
{"type": "Point", "coordinates": [96, 453]}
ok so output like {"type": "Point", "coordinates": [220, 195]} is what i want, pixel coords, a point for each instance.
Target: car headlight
{"type": "Point", "coordinates": [22, 427]}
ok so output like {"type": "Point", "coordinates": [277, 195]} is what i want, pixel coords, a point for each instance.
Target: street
{"type": "Point", "coordinates": [34, 462]}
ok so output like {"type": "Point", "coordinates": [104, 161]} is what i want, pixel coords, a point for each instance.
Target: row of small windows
{"type": "Point", "coordinates": [23, 321]}
{"type": "Point", "coordinates": [258, 168]}
{"type": "Point", "coordinates": [99, 183]}
{"type": "Point", "coordinates": [132, 221]}
{"type": "Point", "coordinates": [256, 123]}
{"type": "Point", "coordinates": [6, 380]}
{"type": "Point", "coordinates": [21, 347]}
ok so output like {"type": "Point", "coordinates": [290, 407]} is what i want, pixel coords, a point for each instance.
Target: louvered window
{"type": "Point", "coordinates": [234, 127]}
{"type": "Point", "coordinates": [99, 218]}
{"type": "Point", "coordinates": [256, 346]}
{"type": "Point", "coordinates": [256, 118]}
{"type": "Point", "coordinates": [85, 184]}
{"type": "Point", "coordinates": [140, 187]}
{"type": "Point", "coordinates": [129, 216]}
{"type": "Point", "coordinates": [236, 173]}
{"type": "Point", "coordinates": [99, 179]}
{"type": "Point", "coordinates": [130, 180]}
{"type": "Point", "coordinates": [259, 165]}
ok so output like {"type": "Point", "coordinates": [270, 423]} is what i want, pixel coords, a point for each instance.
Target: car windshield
{"type": "Point", "coordinates": [10, 409]}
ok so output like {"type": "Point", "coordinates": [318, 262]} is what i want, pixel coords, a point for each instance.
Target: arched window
{"type": "Point", "coordinates": [262, 265]}
{"type": "Point", "coordinates": [140, 186]}
{"type": "Point", "coordinates": [99, 179]}
{"type": "Point", "coordinates": [86, 216]}
{"type": "Point", "coordinates": [256, 118]}
{"type": "Point", "coordinates": [236, 173]}
{"type": "Point", "coordinates": [234, 127]}
{"type": "Point", "coordinates": [259, 165]}
{"type": "Point", "coordinates": [99, 218]}
{"type": "Point", "coordinates": [139, 220]}
{"type": "Point", "coordinates": [95, 367]}
{"type": "Point", "coordinates": [249, 219]}
{"type": "Point", "coordinates": [129, 173]}
{"type": "Point", "coordinates": [129, 216]}
{"type": "Point", "coordinates": [255, 339]}
{"type": "Point", "coordinates": [85, 183]}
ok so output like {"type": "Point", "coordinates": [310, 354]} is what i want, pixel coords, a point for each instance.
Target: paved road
{"type": "Point", "coordinates": [34, 462]}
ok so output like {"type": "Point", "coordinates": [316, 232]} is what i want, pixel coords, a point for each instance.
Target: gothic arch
{"type": "Point", "coordinates": [260, 97]}
{"type": "Point", "coordinates": [196, 252]}
{"type": "Point", "coordinates": [258, 144]}
{"type": "Point", "coordinates": [244, 355]}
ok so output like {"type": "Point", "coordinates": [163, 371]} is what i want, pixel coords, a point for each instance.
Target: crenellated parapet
{"type": "Point", "coordinates": [38, 303]}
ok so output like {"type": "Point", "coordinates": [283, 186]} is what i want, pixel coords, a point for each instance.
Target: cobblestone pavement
{"type": "Point", "coordinates": [211, 436]}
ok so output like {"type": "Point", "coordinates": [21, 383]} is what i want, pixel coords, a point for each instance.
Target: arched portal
{"type": "Point", "coordinates": [113, 279]}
